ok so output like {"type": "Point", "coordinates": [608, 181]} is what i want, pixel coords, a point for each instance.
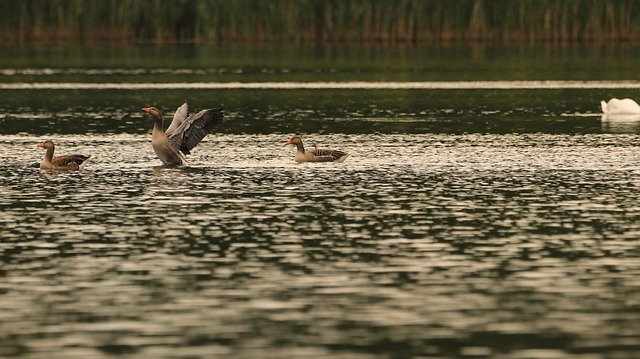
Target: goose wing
{"type": "Point", "coordinates": [63, 161]}
{"type": "Point", "coordinates": [325, 155]}
{"type": "Point", "coordinates": [194, 128]}
{"type": "Point", "coordinates": [178, 118]}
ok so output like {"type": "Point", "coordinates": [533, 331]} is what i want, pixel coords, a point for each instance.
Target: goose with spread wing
{"type": "Point", "coordinates": [66, 163]}
{"type": "Point", "coordinates": [316, 154]}
{"type": "Point", "coordinates": [183, 134]}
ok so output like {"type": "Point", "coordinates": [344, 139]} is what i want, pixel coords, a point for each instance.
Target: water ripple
{"type": "Point", "coordinates": [440, 244]}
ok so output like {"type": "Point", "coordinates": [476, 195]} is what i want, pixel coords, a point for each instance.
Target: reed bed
{"type": "Point", "coordinates": [394, 21]}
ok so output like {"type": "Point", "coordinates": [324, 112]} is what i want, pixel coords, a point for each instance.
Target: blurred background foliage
{"type": "Point", "coordinates": [395, 21]}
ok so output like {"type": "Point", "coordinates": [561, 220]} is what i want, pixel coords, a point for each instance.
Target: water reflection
{"type": "Point", "coordinates": [621, 123]}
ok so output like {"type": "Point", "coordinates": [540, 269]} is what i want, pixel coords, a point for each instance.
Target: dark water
{"type": "Point", "coordinates": [465, 223]}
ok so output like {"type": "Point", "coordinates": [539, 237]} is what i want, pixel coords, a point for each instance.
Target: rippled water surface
{"type": "Point", "coordinates": [467, 222]}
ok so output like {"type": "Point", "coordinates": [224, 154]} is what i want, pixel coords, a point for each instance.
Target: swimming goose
{"type": "Point", "coordinates": [315, 155]}
{"type": "Point", "coordinates": [625, 106]}
{"type": "Point", "coordinates": [68, 162]}
{"type": "Point", "coordinates": [183, 134]}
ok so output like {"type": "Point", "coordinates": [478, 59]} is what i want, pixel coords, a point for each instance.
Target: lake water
{"type": "Point", "coordinates": [487, 209]}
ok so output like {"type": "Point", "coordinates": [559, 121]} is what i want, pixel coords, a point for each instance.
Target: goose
{"type": "Point", "coordinates": [183, 134]}
{"type": "Point", "coordinates": [625, 106]}
{"type": "Point", "coordinates": [68, 162]}
{"type": "Point", "coordinates": [316, 154]}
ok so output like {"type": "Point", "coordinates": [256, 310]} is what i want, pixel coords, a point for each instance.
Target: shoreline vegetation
{"type": "Point", "coordinates": [320, 21]}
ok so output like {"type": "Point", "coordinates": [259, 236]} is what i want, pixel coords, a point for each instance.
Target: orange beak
{"type": "Point", "coordinates": [40, 145]}
{"type": "Point", "coordinates": [287, 143]}
{"type": "Point", "coordinates": [145, 109]}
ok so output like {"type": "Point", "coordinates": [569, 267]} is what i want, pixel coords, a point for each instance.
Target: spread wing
{"type": "Point", "coordinates": [194, 128]}
{"type": "Point", "coordinates": [178, 119]}
{"type": "Point", "coordinates": [323, 155]}
{"type": "Point", "coordinates": [69, 159]}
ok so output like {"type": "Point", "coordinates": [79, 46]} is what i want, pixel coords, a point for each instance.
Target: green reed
{"type": "Point", "coordinates": [320, 20]}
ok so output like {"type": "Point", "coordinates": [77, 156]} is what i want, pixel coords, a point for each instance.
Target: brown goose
{"type": "Point", "coordinates": [316, 154]}
{"type": "Point", "coordinates": [68, 162]}
{"type": "Point", "coordinates": [183, 134]}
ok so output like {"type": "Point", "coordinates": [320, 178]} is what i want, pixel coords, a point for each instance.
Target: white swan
{"type": "Point", "coordinates": [626, 106]}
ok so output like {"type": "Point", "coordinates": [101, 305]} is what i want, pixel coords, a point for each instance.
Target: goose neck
{"type": "Point", "coordinates": [48, 156]}
{"type": "Point", "coordinates": [158, 124]}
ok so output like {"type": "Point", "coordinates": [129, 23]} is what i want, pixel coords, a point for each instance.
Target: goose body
{"type": "Point", "coordinates": [183, 134]}
{"type": "Point", "coordinates": [68, 162]}
{"type": "Point", "coordinates": [615, 106]}
{"type": "Point", "coordinates": [316, 154]}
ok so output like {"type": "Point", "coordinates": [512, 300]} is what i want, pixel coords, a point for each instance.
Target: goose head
{"type": "Point", "coordinates": [46, 144]}
{"type": "Point", "coordinates": [153, 112]}
{"type": "Point", "coordinates": [295, 140]}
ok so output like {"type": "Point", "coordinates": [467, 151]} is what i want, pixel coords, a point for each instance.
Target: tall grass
{"type": "Point", "coordinates": [320, 20]}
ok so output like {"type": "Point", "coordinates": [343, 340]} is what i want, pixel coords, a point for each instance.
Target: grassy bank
{"type": "Point", "coordinates": [320, 20]}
